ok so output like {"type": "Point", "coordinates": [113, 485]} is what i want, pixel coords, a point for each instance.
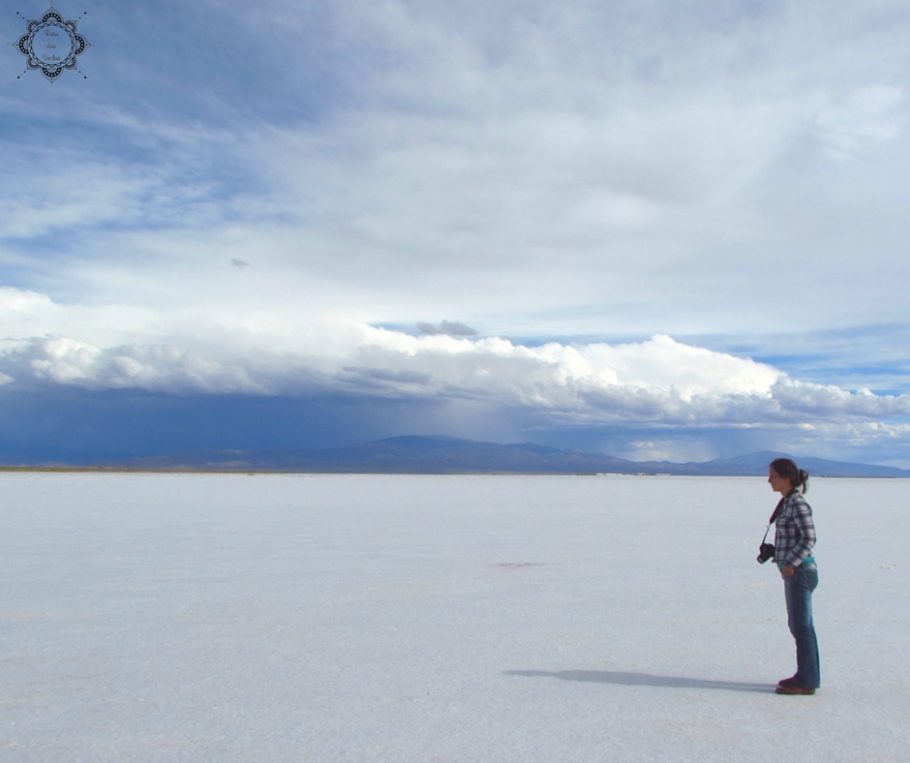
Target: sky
{"type": "Point", "coordinates": [647, 229]}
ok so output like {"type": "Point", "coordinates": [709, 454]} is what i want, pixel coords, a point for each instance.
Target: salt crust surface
{"type": "Point", "coordinates": [457, 618]}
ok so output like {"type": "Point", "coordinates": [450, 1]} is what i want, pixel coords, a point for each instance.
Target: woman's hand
{"type": "Point", "coordinates": [788, 571]}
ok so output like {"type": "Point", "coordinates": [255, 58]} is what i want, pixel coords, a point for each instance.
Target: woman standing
{"type": "Point", "coordinates": [794, 538]}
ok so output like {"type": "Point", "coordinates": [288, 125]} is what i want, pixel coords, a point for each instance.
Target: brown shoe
{"type": "Point", "coordinates": [791, 681]}
{"type": "Point", "coordinates": [795, 689]}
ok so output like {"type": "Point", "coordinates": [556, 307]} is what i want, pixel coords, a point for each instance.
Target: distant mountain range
{"type": "Point", "coordinates": [447, 455]}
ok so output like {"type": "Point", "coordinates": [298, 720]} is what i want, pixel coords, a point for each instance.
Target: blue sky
{"type": "Point", "coordinates": [651, 229]}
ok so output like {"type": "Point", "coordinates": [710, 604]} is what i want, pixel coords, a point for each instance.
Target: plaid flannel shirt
{"type": "Point", "coordinates": [794, 532]}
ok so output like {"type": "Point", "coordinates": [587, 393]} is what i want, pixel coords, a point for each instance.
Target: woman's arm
{"type": "Point", "coordinates": [802, 517]}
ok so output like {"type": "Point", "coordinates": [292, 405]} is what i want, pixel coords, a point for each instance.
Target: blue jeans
{"type": "Point", "coordinates": [798, 593]}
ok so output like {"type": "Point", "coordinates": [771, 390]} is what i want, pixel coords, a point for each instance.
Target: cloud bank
{"type": "Point", "coordinates": [659, 381]}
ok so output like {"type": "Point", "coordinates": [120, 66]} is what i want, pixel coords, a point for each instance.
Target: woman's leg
{"type": "Point", "coordinates": [798, 592]}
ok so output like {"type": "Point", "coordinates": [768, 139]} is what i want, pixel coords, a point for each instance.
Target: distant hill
{"type": "Point", "coordinates": [448, 455]}
{"type": "Point", "coordinates": [757, 463]}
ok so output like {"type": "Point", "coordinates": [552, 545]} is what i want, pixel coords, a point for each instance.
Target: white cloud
{"type": "Point", "coordinates": [168, 369]}
{"type": "Point", "coordinates": [23, 302]}
{"type": "Point", "coordinates": [656, 382]}
{"type": "Point", "coordinates": [830, 400]}
{"type": "Point", "coordinates": [868, 114]}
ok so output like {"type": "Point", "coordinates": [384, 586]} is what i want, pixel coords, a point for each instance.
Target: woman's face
{"type": "Point", "coordinates": [779, 484]}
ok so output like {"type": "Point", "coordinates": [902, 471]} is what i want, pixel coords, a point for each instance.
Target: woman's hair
{"type": "Point", "coordinates": [787, 469]}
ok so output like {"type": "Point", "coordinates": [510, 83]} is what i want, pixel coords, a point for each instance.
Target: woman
{"type": "Point", "coordinates": [794, 538]}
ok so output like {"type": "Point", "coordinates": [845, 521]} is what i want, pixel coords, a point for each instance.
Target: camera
{"type": "Point", "coordinates": [765, 552]}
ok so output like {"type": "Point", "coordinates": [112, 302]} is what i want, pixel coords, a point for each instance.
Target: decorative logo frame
{"type": "Point", "coordinates": [52, 44]}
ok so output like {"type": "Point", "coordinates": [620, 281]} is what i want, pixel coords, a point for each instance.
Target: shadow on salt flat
{"type": "Point", "coordinates": [620, 678]}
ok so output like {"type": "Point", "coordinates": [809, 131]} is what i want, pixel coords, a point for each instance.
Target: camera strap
{"type": "Point", "coordinates": [774, 515]}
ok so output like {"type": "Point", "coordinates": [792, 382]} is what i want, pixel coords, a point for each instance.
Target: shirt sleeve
{"type": "Point", "coordinates": [802, 516]}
